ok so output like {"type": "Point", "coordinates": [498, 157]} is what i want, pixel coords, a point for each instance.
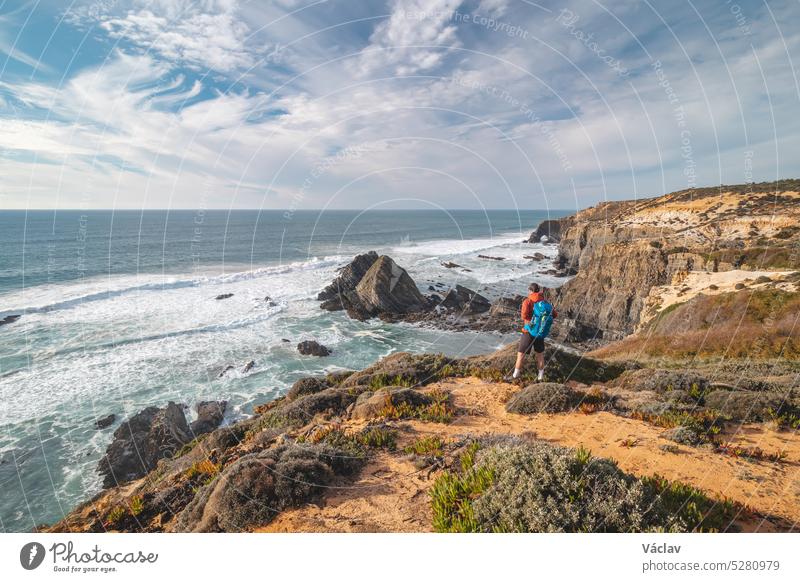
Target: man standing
{"type": "Point", "coordinates": [537, 316]}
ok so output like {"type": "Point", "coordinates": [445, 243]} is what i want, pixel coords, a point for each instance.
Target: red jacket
{"type": "Point", "coordinates": [527, 306]}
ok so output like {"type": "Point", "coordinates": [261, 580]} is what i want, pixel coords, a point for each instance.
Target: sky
{"type": "Point", "coordinates": [304, 104]}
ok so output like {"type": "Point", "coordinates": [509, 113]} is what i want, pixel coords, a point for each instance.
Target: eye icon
{"type": "Point", "coordinates": [31, 555]}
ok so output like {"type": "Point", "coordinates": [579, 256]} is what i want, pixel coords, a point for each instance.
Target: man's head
{"type": "Point", "coordinates": [534, 288]}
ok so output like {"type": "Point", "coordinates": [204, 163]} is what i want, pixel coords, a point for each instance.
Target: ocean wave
{"type": "Point", "coordinates": [455, 247]}
{"type": "Point", "coordinates": [101, 289]}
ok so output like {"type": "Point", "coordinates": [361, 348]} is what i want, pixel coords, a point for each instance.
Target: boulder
{"type": "Point", "coordinates": [313, 348]}
{"type": "Point", "coordinates": [387, 288]}
{"type": "Point", "coordinates": [105, 421]}
{"type": "Point", "coordinates": [465, 300]}
{"type": "Point", "coordinates": [9, 319]}
{"type": "Point", "coordinates": [451, 265]}
{"type": "Point", "coordinates": [224, 296]}
{"type": "Point", "coordinates": [491, 258]}
{"type": "Point", "coordinates": [224, 371]}
{"type": "Point", "coordinates": [248, 366]}
{"type": "Point", "coordinates": [347, 279]}
{"type": "Point", "coordinates": [141, 441]}
{"type": "Point", "coordinates": [209, 417]}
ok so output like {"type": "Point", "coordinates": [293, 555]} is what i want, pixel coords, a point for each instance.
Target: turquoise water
{"type": "Point", "coordinates": [119, 312]}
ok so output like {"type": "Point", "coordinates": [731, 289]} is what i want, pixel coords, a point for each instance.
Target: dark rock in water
{"type": "Point", "coordinates": [225, 371]}
{"type": "Point", "coordinates": [9, 319]}
{"type": "Point", "coordinates": [434, 298]}
{"type": "Point", "coordinates": [286, 341]}
{"type": "Point", "coordinates": [491, 258]}
{"type": "Point", "coordinates": [105, 422]}
{"type": "Point", "coordinates": [268, 300]}
{"type": "Point", "coordinates": [224, 296]}
{"type": "Point", "coordinates": [465, 300]}
{"type": "Point", "coordinates": [440, 285]}
{"type": "Point", "coordinates": [141, 441]}
{"type": "Point", "coordinates": [535, 257]}
{"type": "Point", "coordinates": [431, 288]}
{"type": "Point", "coordinates": [312, 348]}
{"type": "Point", "coordinates": [248, 366]}
{"type": "Point", "coordinates": [386, 288]}
{"type": "Point", "coordinates": [451, 265]}
{"type": "Point", "coordinates": [209, 417]}
{"type": "Point", "coordinates": [346, 281]}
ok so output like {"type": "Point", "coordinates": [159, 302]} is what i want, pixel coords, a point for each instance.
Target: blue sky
{"type": "Point", "coordinates": [298, 104]}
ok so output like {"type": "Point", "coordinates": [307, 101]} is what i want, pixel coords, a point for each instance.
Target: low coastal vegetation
{"type": "Point", "coordinates": [518, 486]}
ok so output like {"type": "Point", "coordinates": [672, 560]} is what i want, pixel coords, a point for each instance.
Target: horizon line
{"type": "Point", "coordinates": [279, 209]}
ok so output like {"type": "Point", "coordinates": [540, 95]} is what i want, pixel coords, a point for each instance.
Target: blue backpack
{"type": "Point", "coordinates": [542, 319]}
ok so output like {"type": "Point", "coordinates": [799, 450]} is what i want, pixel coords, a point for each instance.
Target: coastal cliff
{"type": "Point", "coordinates": [620, 251]}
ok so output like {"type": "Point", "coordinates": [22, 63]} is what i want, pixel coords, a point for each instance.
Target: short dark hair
{"type": "Point", "coordinates": [534, 287]}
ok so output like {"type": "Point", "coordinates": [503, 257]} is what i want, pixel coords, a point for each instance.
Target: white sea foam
{"type": "Point", "coordinates": [456, 247]}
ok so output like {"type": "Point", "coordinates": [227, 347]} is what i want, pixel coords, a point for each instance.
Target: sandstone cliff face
{"type": "Point", "coordinates": [620, 250]}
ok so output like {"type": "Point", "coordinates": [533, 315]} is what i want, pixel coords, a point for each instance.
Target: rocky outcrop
{"type": "Point", "coordinates": [105, 421]}
{"type": "Point", "coordinates": [151, 435]}
{"type": "Point", "coordinates": [349, 276]}
{"type": "Point", "coordinates": [139, 442]}
{"type": "Point", "coordinates": [387, 288]}
{"type": "Point", "coordinates": [465, 300]}
{"type": "Point", "coordinates": [313, 348]}
{"type": "Point", "coordinates": [382, 289]}
{"type": "Point", "coordinates": [209, 417]}
{"type": "Point", "coordinates": [223, 296]}
{"type": "Point", "coordinates": [551, 229]}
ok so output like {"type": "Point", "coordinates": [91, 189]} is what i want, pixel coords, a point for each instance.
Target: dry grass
{"type": "Point", "coordinates": [759, 324]}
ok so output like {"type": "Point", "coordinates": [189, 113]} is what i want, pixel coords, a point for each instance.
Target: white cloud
{"type": "Point", "coordinates": [202, 35]}
{"type": "Point", "coordinates": [414, 38]}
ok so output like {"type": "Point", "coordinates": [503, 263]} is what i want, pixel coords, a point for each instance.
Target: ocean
{"type": "Point", "coordinates": [119, 313]}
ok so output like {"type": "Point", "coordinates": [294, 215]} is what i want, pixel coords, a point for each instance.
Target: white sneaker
{"type": "Point", "coordinates": [541, 375]}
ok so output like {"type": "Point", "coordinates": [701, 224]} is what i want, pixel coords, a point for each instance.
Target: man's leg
{"type": "Point", "coordinates": [518, 366]}
{"type": "Point", "coordinates": [524, 346]}
{"type": "Point", "coordinates": [538, 348]}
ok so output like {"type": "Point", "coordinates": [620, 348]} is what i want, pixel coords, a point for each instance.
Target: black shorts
{"type": "Point", "coordinates": [527, 341]}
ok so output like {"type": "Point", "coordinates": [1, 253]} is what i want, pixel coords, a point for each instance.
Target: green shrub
{"type": "Point", "coordinates": [378, 437]}
{"type": "Point", "coordinates": [537, 487]}
{"type": "Point", "coordinates": [427, 445]}
{"type": "Point", "coordinates": [544, 397]}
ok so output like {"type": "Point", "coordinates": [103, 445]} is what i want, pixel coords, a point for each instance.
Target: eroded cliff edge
{"type": "Point", "coordinates": [620, 251]}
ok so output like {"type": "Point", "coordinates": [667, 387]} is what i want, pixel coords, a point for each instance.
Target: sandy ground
{"type": "Point", "coordinates": [392, 495]}
{"type": "Point", "coordinates": [685, 286]}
